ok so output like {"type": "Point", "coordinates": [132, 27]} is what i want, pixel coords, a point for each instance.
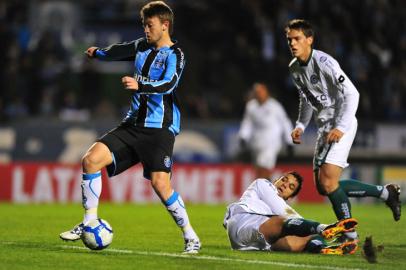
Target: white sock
{"type": "Point", "coordinates": [352, 235]}
{"type": "Point", "coordinates": [385, 194]}
{"type": "Point", "coordinates": [321, 227]}
{"type": "Point", "coordinates": [91, 190]}
{"type": "Point", "coordinates": [176, 208]}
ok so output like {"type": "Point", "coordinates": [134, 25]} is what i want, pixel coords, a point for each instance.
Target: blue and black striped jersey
{"type": "Point", "coordinates": [157, 72]}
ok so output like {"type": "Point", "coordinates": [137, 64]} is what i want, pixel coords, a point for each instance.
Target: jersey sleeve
{"type": "Point", "coordinates": [125, 51]}
{"type": "Point", "coordinates": [269, 195]}
{"type": "Point", "coordinates": [347, 93]}
{"type": "Point", "coordinates": [286, 123]}
{"type": "Point", "coordinates": [246, 127]}
{"type": "Point", "coordinates": [305, 111]}
{"type": "Point", "coordinates": [173, 70]}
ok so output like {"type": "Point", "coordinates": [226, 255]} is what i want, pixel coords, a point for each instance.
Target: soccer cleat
{"type": "Point", "coordinates": [345, 248]}
{"type": "Point", "coordinates": [192, 246]}
{"type": "Point", "coordinates": [341, 238]}
{"type": "Point", "coordinates": [341, 226]}
{"type": "Point", "coordinates": [393, 201]}
{"type": "Point", "coordinates": [73, 234]}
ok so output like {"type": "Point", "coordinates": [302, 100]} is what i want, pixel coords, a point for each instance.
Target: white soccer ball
{"type": "Point", "coordinates": [97, 234]}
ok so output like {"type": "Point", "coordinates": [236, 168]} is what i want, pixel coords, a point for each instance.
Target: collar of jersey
{"type": "Point", "coordinates": [175, 42]}
{"type": "Point", "coordinates": [303, 64]}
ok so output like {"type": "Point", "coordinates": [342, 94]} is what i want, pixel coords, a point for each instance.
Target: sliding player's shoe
{"type": "Point", "coordinates": [345, 248]}
{"type": "Point", "coordinates": [341, 226]}
{"type": "Point", "coordinates": [192, 246]}
{"type": "Point", "coordinates": [73, 234]}
{"type": "Point", "coordinates": [393, 201]}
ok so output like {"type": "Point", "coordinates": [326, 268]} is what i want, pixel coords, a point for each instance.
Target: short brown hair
{"type": "Point", "coordinates": [159, 9]}
{"type": "Point", "coordinates": [302, 25]}
{"type": "Point", "coordinates": [299, 179]}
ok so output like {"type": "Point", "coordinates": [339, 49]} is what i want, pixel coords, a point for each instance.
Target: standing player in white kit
{"type": "Point", "coordinates": [264, 129]}
{"type": "Point", "coordinates": [326, 91]}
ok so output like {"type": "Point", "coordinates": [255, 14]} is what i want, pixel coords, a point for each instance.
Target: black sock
{"type": "Point", "coordinates": [341, 204]}
{"type": "Point", "coordinates": [355, 188]}
{"type": "Point", "coordinates": [315, 244]}
{"type": "Point", "coordinates": [299, 227]}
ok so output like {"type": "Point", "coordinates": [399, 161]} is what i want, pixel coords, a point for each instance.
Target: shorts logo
{"type": "Point", "coordinates": [167, 162]}
{"type": "Point", "coordinates": [314, 79]}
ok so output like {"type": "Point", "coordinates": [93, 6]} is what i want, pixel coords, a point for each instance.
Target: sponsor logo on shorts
{"type": "Point", "coordinates": [167, 162]}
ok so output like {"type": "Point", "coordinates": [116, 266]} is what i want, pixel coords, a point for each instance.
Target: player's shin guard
{"type": "Point", "coordinates": [176, 208]}
{"type": "Point", "coordinates": [341, 204]}
{"type": "Point", "coordinates": [91, 189]}
{"type": "Point", "coordinates": [301, 227]}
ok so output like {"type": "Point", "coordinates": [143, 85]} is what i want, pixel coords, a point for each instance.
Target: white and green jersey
{"type": "Point", "coordinates": [325, 90]}
{"type": "Point", "coordinates": [262, 198]}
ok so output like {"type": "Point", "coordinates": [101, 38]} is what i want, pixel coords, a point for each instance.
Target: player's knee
{"type": "Point", "coordinates": [160, 184]}
{"type": "Point", "coordinates": [329, 187]}
{"type": "Point", "coordinates": [91, 162]}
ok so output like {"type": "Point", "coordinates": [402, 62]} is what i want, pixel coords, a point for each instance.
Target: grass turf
{"type": "Point", "coordinates": [147, 238]}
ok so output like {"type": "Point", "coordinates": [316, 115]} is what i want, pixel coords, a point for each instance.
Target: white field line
{"type": "Point", "coordinates": [214, 258]}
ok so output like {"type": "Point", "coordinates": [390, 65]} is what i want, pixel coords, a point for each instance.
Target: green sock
{"type": "Point", "coordinates": [355, 188]}
{"type": "Point", "coordinates": [299, 227]}
{"type": "Point", "coordinates": [341, 204]}
{"type": "Point", "coordinates": [315, 244]}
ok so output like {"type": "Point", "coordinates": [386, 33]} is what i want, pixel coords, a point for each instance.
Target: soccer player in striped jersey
{"type": "Point", "coordinates": [148, 131]}
{"type": "Point", "coordinates": [327, 92]}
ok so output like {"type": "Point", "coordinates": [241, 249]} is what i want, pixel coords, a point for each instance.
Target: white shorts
{"type": "Point", "coordinates": [334, 153]}
{"type": "Point", "coordinates": [243, 231]}
{"type": "Point", "coordinates": [266, 157]}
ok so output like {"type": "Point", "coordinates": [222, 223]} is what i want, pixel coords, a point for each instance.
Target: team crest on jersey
{"type": "Point", "coordinates": [159, 63]}
{"type": "Point", "coordinates": [314, 79]}
{"type": "Point", "coordinates": [167, 162]}
{"type": "Point", "coordinates": [323, 59]}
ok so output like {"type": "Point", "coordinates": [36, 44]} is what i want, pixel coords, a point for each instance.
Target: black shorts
{"type": "Point", "coordinates": [129, 145]}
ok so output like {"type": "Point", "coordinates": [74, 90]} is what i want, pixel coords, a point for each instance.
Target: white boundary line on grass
{"type": "Point", "coordinates": [214, 258]}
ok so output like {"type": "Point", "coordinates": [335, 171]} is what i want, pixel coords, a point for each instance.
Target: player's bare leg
{"type": "Point", "coordinates": [160, 181]}
{"type": "Point", "coordinates": [97, 157]}
{"type": "Point", "coordinates": [291, 243]}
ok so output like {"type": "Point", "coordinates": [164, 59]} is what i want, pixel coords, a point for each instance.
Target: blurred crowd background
{"type": "Point", "coordinates": [228, 45]}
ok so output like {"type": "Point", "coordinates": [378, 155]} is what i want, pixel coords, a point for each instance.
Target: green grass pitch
{"type": "Point", "coordinates": [145, 237]}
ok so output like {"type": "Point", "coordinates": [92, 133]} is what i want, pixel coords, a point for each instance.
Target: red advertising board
{"type": "Point", "coordinates": [198, 183]}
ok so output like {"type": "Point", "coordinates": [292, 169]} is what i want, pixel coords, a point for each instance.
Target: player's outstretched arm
{"type": "Point", "coordinates": [90, 52]}
{"type": "Point", "coordinates": [117, 52]}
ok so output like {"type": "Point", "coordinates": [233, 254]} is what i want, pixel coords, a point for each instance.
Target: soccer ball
{"type": "Point", "coordinates": [97, 234]}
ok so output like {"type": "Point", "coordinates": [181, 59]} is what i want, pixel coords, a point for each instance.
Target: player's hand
{"type": "Point", "coordinates": [129, 83]}
{"type": "Point", "coordinates": [90, 52]}
{"type": "Point", "coordinates": [334, 136]}
{"type": "Point", "coordinates": [296, 135]}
